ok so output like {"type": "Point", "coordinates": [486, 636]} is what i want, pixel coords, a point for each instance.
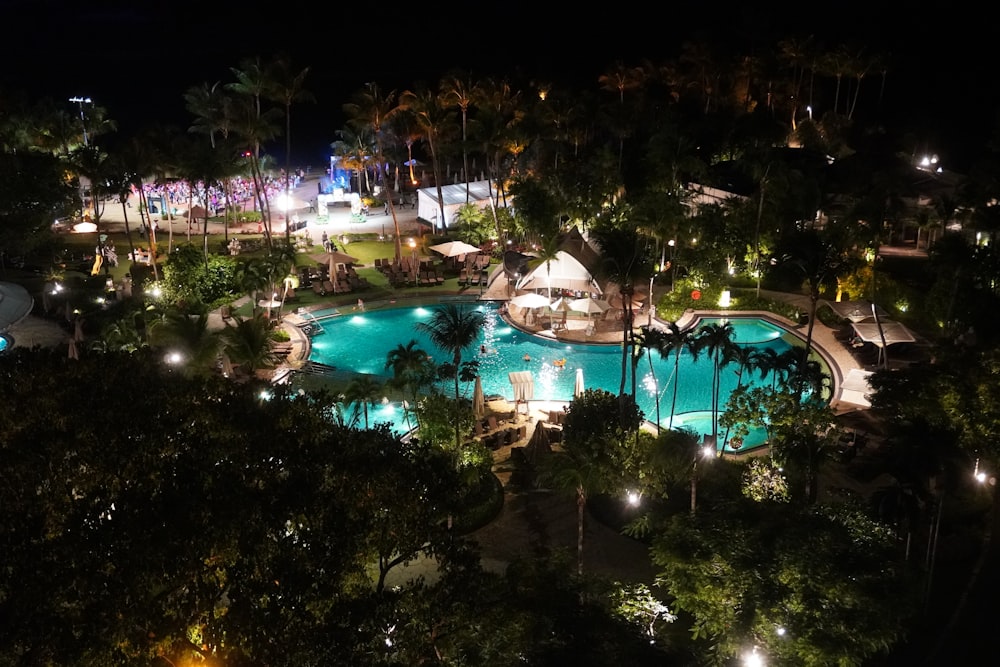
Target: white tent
{"type": "Point", "coordinates": [454, 198]}
{"type": "Point", "coordinates": [564, 272]}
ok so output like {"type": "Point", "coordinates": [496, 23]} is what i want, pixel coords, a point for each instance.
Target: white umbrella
{"type": "Point", "coordinates": [590, 305]}
{"type": "Point", "coordinates": [455, 248]}
{"type": "Point", "coordinates": [530, 300]}
{"type": "Point", "coordinates": [73, 352]}
{"type": "Point", "coordinates": [561, 304]}
{"type": "Point", "coordinates": [78, 330]}
{"type": "Point", "coordinates": [578, 384]}
{"type": "Point", "coordinates": [478, 400]}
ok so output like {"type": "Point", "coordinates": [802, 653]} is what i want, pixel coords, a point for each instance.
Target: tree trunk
{"type": "Point", "coordinates": [581, 504]}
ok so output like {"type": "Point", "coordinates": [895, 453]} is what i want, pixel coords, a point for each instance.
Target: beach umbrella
{"type": "Point", "coordinates": [590, 305]}
{"type": "Point", "coordinates": [530, 300]}
{"type": "Point", "coordinates": [73, 352]}
{"type": "Point", "coordinates": [455, 248]}
{"type": "Point", "coordinates": [478, 400]}
{"type": "Point", "coordinates": [78, 330]}
{"type": "Point", "coordinates": [578, 384]}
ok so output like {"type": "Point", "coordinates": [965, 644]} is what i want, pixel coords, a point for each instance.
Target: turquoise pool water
{"type": "Point", "coordinates": [4, 343]}
{"type": "Point", "coordinates": [360, 342]}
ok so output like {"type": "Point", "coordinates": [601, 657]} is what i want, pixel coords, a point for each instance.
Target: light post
{"type": "Point", "coordinates": [707, 453]}
{"type": "Point", "coordinates": [672, 264]}
{"type": "Point", "coordinates": [83, 121]}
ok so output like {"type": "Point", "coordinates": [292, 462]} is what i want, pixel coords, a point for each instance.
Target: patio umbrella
{"type": "Point", "coordinates": [590, 305]}
{"type": "Point", "coordinates": [478, 400]}
{"type": "Point", "coordinates": [15, 304]}
{"type": "Point", "coordinates": [73, 352]}
{"type": "Point", "coordinates": [332, 259]}
{"type": "Point", "coordinates": [455, 248]}
{"type": "Point", "coordinates": [562, 305]}
{"type": "Point", "coordinates": [578, 387]}
{"type": "Point", "coordinates": [78, 330]}
{"type": "Point", "coordinates": [530, 300]}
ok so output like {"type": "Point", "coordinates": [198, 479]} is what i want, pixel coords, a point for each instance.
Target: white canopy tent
{"type": "Point", "coordinates": [563, 272]}
{"type": "Point", "coordinates": [454, 198]}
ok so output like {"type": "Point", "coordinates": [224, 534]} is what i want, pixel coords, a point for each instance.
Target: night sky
{"type": "Point", "coordinates": [137, 58]}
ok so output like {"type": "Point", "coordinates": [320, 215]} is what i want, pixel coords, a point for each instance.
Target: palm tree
{"type": "Point", "coordinates": [287, 89]}
{"type": "Point", "coordinates": [247, 342]}
{"type": "Point", "coordinates": [454, 329]}
{"type": "Point", "coordinates": [433, 120]}
{"type": "Point", "coordinates": [620, 78]}
{"type": "Point", "coordinates": [457, 90]}
{"type": "Point", "coordinates": [625, 260]}
{"type": "Point", "coordinates": [254, 124]}
{"type": "Point", "coordinates": [412, 370]}
{"type": "Point", "coordinates": [189, 334]}
{"type": "Point", "coordinates": [547, 252]}
{"type": "Point", "coordinates": [138, 159]}
{"type": "Point", "coordinates": [715, 339]}
{"type": "Point", "coordinates": [213, 111]}
{"type": "Point", "coordinates": [372, 110]}
{"type": "Point", "coordinates": [676, 341]}
{"type": "Point", "coordinates": [363, 391]}
{"type": "Point", "coordinates": [821, 258]}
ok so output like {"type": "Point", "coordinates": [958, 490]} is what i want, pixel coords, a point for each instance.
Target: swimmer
{"type": "Point", "coordinates": [527, 358]}
{"type": "Point", "coordinates": [482, 349]}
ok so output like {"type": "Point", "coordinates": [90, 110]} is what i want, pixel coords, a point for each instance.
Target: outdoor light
{"type": "Point", "coordinates": [753, 659]}
{"type": "Point", "coordinates": [633, 498]}
{"type": "Point", "coordinates": [173, 358]}
{"type": "Point", "coordinates": [980, 476]}
{"type": "Point", "coordinates": [725, 299]}
{"type": "Point", "coordinates": [707, 451]}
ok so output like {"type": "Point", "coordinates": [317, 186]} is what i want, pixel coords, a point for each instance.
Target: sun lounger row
{"type": "Point", "coordinates": [465, 277]}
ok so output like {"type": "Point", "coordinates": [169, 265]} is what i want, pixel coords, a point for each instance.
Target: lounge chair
{"type": "Point", "coordinates": [328, 286]}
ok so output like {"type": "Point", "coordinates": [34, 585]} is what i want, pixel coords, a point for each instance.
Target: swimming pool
{"type": "Point", "coordinates": [360, 342]}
